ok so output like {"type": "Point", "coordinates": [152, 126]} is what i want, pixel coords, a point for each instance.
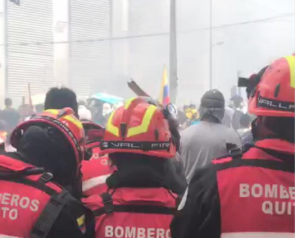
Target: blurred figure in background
{"type": "Point", "coordinates": [3, 131]}
{"type": "Point", "coordinates": [39, 108]}
{"type": "Point", "coordinates": [97, 110]}
{"type": "Point", "coordinates": [9, 115]}
{"type": "Point", "coordinates": [84, 112]}
{"type": "Point", "coordinates": [237, 102]}
{"type": "Point", "coordinates": [25, 111]}
{"type": "Point", "coordinates": [181, 117]}
{"type": "Point", "coordinates": [203, 142]}
{"type": "Point", "coordinates": [245, 130]}
{"type": "Point", "coordinates": [228, 116]}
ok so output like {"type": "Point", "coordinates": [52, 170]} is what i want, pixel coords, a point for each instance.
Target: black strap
{"type": "Point", "coordinates": [20, 174]}
{"type": "Point", "coordinates": [283, 156]}
{"type": "Point", "coordinates": [49, 214]}
{"type": "Point", "coordinates": [36, 184]}
{"type": "Point", "coordinates": [260, 163]}
{"type": "Point", "coordinates": [46, 177]}
{"type": "Point", "coordinates": [107, 202]}
{"type": "Point", "coordinates": [145, 209]}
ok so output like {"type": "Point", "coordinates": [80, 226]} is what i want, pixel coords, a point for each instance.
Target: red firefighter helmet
{"type": "Point", "coordinates": [275, 94]}
{"type": "Point", "coordinates": [138, 127]}
{"type": "Point", "coordinates": [94, 134]}
{"type": "Point", "coordinates": [64, 121]}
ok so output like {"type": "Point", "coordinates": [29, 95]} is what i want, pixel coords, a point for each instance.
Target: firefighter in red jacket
{"type": "Point", "coordinates": [96, 170]}
{"type": "Point", "coordinates": [138, 203]}
{"type": "Point", "coordinates": [50, 148]}
{"type": "Point", "coordinates": [250, 195]}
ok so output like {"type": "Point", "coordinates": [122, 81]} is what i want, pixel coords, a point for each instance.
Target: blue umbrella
{"type": "Point", "coordinates": [111, 99]}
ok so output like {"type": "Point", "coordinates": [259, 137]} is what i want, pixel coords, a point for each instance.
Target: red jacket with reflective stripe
{"type": "Point", "coordinates": [95, 172]}
{"type": "Point", "coordinates": [145, 219]}
{"type": "Point", "coordinates": [21, 203]}
{"type": "Point", "coordinates": [248, 197]}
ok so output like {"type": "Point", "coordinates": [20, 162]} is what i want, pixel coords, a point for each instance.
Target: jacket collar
{"type": "Point", "coordinates": [271, 149]}
{"type": "Point", "coordinates": [12, 161]}
{"type": "Point", "coordinates": [276, 145]}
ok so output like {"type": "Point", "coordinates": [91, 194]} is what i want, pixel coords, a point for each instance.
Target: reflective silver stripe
{"type": "Point", "coordinates": [258, 235]}
{"type": "Point", "coordinates": [93, 182]}
{"type": "Point", "coordinates": [6, 236]}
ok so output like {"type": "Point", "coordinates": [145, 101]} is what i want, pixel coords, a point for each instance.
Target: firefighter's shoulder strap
{"type": "Point", "coordinates": [51, 211]}
{"type": "Point", "coordinates": [109, 208]}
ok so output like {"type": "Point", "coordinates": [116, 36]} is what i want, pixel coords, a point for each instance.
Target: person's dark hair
{"type": "Point", "coordinates": [8, 102]}
{"type": "Point", "coordinates": [245, 120]}
{"type": "Point", "coordinates": [59, 98]}
{"type": "Point", "coordinates": [283, 127]}
{"type": "Point", "coordinates": [48, 148]}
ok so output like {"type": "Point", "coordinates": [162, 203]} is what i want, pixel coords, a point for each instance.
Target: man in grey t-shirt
{"type": "Point", "coordinates": [203, 142]}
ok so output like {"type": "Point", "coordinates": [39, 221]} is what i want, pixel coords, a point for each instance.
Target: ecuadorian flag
{"type": "Point", "coordinates": [164, 97]}
{"type": "Point", "coordinates": [81, 224]}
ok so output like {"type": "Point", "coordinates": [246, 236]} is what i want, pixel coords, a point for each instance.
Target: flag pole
{"type": "Point", "coordinates": [173, 53]}
{"type": "Point", "coordinates": [30, 95]}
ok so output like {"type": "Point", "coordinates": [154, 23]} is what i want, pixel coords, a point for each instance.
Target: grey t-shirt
{"type": "Point", "coordinates": [203, 142]}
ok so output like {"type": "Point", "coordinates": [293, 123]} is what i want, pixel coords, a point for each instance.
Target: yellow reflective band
{"type": "Point", "coordinates": [74, 121]}
{"type": "Point", "coordinates": [70, 118]}
{"type": "Point", "coordinates": [110, 127]}
{"type": "Point", "coordinates": [81, 220]}
{"type": "Point", "coordinates": [144, 124]}
{"type": "Point", "coordinates": [291, 62]}
{"type": "Point", "coordinates": [53, 111]}
{"type": "Point", "coordinates": [128, 102]}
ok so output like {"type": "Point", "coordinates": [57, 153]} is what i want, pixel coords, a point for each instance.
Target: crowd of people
{"type": "Point", "coordinates": [144, 175]}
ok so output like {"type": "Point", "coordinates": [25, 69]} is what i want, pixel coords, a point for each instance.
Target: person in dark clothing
{"type": "Point", "coordinates": [59, 98]}
{"type": "Point", "coordinates": [245, 130]}
{"type": "Point", "coordinates": [50, 148]}
{"type": "Point", "coordinates": [245, 121]}
{"type": "Point", "coordinates": [175, 176]}
{"type": "Point", "coordinates": [237, 105]}
{"type": "Point", "coordinates": [9, 115]}
{"type": "Point", "coordinates": [25, 111]}
{"type": "Point", "coordinates": [250, 194]}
